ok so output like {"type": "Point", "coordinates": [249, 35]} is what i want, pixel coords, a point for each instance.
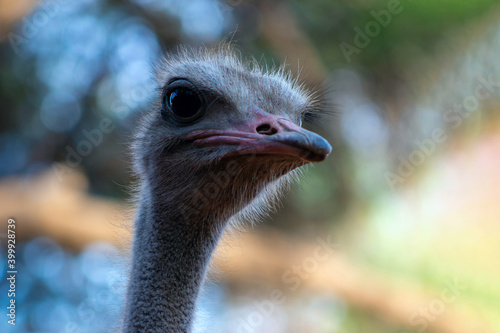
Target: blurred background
{"type": "Point", "coordinates": [407, 204]}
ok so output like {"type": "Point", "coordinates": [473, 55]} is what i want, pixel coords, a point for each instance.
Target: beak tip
{"type": "Point", "coordinates": [321, 149]}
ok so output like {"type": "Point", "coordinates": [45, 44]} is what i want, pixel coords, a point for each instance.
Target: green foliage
{"type": "Point", "coordinates": [420, 23]}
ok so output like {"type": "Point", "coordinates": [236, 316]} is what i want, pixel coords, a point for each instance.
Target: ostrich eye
{"type": "Point", "coordinates": [184, 103]}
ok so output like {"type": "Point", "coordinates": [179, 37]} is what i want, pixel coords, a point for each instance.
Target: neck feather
{"type": "Point", "coordinates": [182, 214]}
{"type": "Point", "coordinates": [170, 255]}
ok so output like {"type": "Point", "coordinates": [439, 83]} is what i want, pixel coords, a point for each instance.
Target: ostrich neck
{"type": "Point", "coordinates": [170, 255]}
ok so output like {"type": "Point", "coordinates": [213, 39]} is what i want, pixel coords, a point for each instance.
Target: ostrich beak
{"type": "Point", "coordinates": [266, 134]}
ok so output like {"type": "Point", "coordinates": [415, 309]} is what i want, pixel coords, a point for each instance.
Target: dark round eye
{"type": "Point", "coordinates": [185, 104]}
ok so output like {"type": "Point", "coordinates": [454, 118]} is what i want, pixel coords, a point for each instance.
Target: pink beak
{"type": "Point", "coordinates": [266, 134]}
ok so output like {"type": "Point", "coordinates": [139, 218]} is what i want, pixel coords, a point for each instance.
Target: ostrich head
{"type": "Point", "coordinates": [221, 135]}
{"type": "Point", "coordinates": [219, 140]}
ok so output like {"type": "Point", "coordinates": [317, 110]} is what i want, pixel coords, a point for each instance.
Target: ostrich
{"type": "Point", "coordinates": [220, 142]}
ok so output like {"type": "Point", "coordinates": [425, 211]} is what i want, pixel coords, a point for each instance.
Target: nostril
{"type": "Point", "coordinates": [266, 129]}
